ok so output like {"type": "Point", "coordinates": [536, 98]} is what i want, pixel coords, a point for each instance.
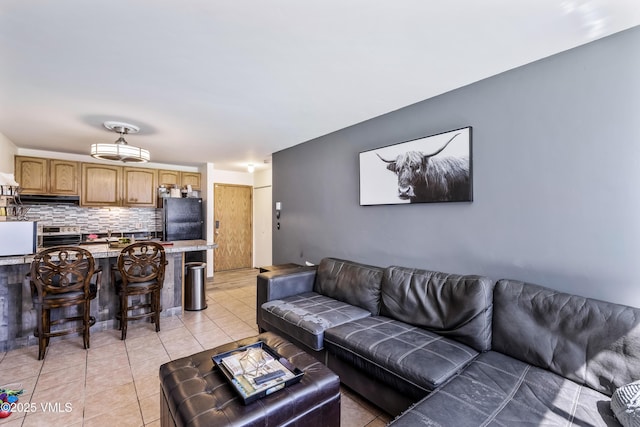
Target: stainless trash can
{"type": "Point", "coordinates": [194, 286]}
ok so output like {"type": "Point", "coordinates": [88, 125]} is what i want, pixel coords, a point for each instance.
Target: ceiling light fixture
{"type": "Point", "coordinates": [251, 168]}
{"type": "Point", "coordinates": [120, 150]}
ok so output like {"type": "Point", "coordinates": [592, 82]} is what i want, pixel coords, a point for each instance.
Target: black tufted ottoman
{"type": "Point", "coordinates": [194, 393]}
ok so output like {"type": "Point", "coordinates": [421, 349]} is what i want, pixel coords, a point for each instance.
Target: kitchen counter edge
{"type": "Point", "coordinates": [103, 251]}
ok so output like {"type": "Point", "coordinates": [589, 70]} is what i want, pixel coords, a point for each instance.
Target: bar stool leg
{"type": "Point", "coordinates": [86, 324]}
{"type": "Point", "coordinates": [124, 309]}
{"type": "Point", "coordinates": [156, 307]}
{"type": "Point", "coordinates": [40, 331]}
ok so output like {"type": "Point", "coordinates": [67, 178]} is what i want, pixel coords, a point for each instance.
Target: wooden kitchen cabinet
{"type": "Point", "coordinates": [169, 178]}
{"type": "Point", "coordinates": [64, 177]}
{"type": "Point", "coordinates": [47, 176]}
{"type": "Point", "coordinates": [140, 187]}
{"type": "Point", "coordinates": [32, 174]}
{"type": "Point", "coordinates": [190, 178]}
{"type": "Point", "coordinates": [105, 185]}
{"type": "Point", "coordinates": [101, 185]}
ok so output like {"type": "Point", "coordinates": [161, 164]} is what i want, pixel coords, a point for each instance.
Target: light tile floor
{"type": "Point", "coordinates": [116, 382]}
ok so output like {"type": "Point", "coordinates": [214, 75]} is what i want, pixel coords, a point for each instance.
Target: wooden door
{"type": "Point", "coordinates": [64, 177]}
{"type": "Point", "coordinates": [140, 187]}
{"type": "Point", "coordinates": [101, 185]}
{"type": "Point", "coordinates": [233, 230]}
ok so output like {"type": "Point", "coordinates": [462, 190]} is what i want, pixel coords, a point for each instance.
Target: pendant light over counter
{"type": "Point", "coordinates": [120, 150]}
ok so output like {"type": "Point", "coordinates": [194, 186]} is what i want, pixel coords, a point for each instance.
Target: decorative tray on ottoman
{"type": "Point", "coordinates": [256, 370]}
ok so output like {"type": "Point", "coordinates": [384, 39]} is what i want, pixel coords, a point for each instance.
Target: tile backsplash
{"type": "Point", "coordinates": [97, 220]}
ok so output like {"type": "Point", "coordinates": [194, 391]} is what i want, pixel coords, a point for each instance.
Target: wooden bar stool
{"type": "Point", "coordinates": [139, 272]}
{"type": "Point", "coordinates": [60, 277]}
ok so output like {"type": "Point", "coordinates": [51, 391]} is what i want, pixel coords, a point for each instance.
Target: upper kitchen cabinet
{"type": "Point", "coordinates": [101, 185]}
{"type": "Point", "coordinates": [179, 179]}
{"type": "Point", "coordinates": [169, 177]}
{"type": "Point", "coordinates": [47, 176]}
{"type": "Point", "coordinates": [64, 177]}
{"type": "Point", "coordinates": [190, 178]}
{"type": "Point", "coordinates": [140, 187]}
{"type": "Point", "coordinates": [105, 185]}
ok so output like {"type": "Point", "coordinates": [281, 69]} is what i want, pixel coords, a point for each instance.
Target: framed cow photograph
{"type": "Point", "coordinates": [432, 169]}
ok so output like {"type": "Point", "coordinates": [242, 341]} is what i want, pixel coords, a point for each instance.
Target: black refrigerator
{"type": "Point", "coordinates": [182, 218]}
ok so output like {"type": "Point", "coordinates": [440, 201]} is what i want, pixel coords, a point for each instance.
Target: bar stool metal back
{"type": "Point", "coordinates": [60, 277]}
{"type": "Point", "coordinates": [141, 268]}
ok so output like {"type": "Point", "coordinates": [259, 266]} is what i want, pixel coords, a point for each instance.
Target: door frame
{"type": "Point", "coordinates": [264, 255]}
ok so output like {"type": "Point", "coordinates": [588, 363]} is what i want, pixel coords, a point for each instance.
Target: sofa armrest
{"type": "Point", "coordinates": [281, 284]}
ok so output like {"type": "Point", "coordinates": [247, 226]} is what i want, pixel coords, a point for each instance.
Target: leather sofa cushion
{"type": "Point", "coordinates": [412, 359]}
{"type": "Point", "coordinates": [350, 282]}
{"type": "Point", "coordinates": [588, 341]}
{"type": "Point", "coordinates": [452, 305]}
{"type": "Point", "coordinates": [306, 316]}
{"type": "Point", "coordinates": [496, 389]}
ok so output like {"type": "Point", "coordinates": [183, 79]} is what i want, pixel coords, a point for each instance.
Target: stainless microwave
{"type": "Point", "coordinates": [18, 237]}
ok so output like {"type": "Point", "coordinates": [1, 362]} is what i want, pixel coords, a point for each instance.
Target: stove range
{"type": "Point", "coordinates": [49, 236]}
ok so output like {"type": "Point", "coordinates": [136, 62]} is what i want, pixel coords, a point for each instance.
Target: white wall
{"type": "Point", "coordinates": [262, 219]}
{"type": "Point", "coordinates": [231, 177]}
{"type": "Point", "coordinates": [7, 151]}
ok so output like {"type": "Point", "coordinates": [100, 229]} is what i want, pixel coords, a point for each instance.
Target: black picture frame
{"type": "Point", "coordinates": [432, 169]}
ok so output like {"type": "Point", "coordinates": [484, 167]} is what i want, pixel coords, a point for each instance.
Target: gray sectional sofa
{"type": "Point", "coordinates": [457, 350]}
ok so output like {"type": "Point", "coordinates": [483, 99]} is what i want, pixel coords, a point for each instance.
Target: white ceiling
{"type": "Point", "coordinates": [230, 82]}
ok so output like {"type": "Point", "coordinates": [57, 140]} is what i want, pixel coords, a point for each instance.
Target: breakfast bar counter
{"type": "Point", "coordinates": [18, 318]}
{"type": "Point", "coordinates": [102, 250]}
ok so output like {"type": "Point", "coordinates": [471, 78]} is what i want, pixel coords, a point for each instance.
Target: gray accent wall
{"type": "Point", "coordinates": [556, 176]}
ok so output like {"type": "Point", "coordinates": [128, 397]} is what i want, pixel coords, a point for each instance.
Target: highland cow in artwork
{"type": "Point", "coordinates": [428, 178]}
{"type": "Point", "coordinates": [439, 173]}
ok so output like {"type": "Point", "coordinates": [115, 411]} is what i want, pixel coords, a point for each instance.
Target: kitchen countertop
{"type": "Point", "coordinates": [102, 250]}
